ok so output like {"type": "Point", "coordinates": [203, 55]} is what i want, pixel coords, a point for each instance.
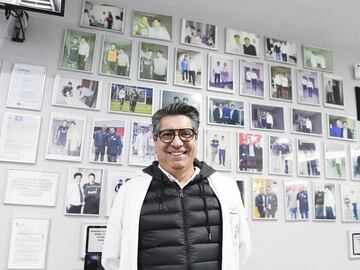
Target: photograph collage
{"type": "Point", "coordinates": [264, 117]}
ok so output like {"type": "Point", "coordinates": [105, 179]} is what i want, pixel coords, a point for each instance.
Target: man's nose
{"type": "Point", "coordinates": [177, 142]}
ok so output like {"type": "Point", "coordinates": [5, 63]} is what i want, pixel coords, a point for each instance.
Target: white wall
{"type": "Point", "coordinates": [277, 245]}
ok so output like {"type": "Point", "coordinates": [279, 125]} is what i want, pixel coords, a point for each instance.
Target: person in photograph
{"type": "Point", "coordinates": [249, 49]}
{"type": "Point", "coordinates": [248, 78]}
{"type": "Point", "coordinates": [73, 52]}
{"type": "Point", "coordinates": [310, 87]}
{"type": "Point", "coordinates": [258, 151]}
{"type": "Point", "coordinates": [73, 140]}
{"type": "Point", "coordinates": [277, 50]}
{"type": "Point", "coordinates": [83, 55]}
{"type": "Point", "coordinates": [292, 202]}
{"type": "Point", "coordinates": [121, 96]}
{"type": "Point", "coordinates": [74, 196]}
{"type": "Point", "coordinates": [214, 146]}
{"type": "Point", "coordinates": [234, 115]}
{"type": "Point", "coordinates": [254, 79]}
{"type": "Point", "coordinates": [277, 157]}
{"type": "Point", "coordinates": [209, 38]}
{"type": "Point", "coordinates": [192, 71]}
{"type": "Point", "coordinates": [92, 191]}
{"type": "Point", "coordinates": [222, 151]}
{"type": "Point", "coordinates": [175, 183]}
{"type": "Point", "coordinates": [160, 67]}
{"type": "Point", "coordinates": [346, 132]}
{"type": "Point", "coordinates": [218, 114]}
{"type": "Point", "coordinates": [150, 144]}
{"type": "Point", "coordinates": [141, 28]}
{"type": "Point", "coordinates": [329, 203]}
{"type": "Point", "coordinates": [147, 65]}
{"type": "Point", "coordinates": [336, 129]}
{"type": "Point", "coordinates": [319, 203]}
{"type": "Point", "coordinates": [278, 82]}
{"type": "Point", "coordinates": [133, 99]}
{"type": "Point", "coordinates": [118, 23]}
{"type": "Point", "coordinates": [67, 89]}
{"type": "Point", "coordinates": [109, 20]}
{"type": "Point", "coordinates": [216, 73]}
{"type": "Point", "coordinates": [271, 202]}
{"type": "Point", "coordinates": [114, 146]}
{"type": "Point", "coordinates": [184, 64]}
{"type": "Point", "coordinates": [60, 137]}
{"type": "Point", "coordinates": [100, 138]}
{"type": "Point", "coordinates": [141, 143]}
{"type": "Point", "coordinates": [317, 60]}
{"type": "Point", "coordinates": [304, 84]}
{"type": "Point", "coordinates": [189, 33]}
{"type": "Point", "coordinates": [308, 125]}
{"type": "Point", "coordinates": [158, 31]}
{"type": "Point", "coordinates": [303, 200]}
{"type": "Point", "coordinates": [336, 92]}
{"type": "Point", "coordinates": [123, 63]}
{"type": "Point", "coordinates": [262, 119]}
{"type": "Point", "coordinates": [110, 59]}
{"type": "Point", "coordinates": [235, 44]}
{"type": "Point", "coordinates": [243, 155]}
{"type": "Point", "coordinates": [82, 97]}
{"type": "Point", "coordinates": [225, 74]}
{"type": "Point", "coordinates": [269, 121]}
{"type": "Point", "coordinates": [354, 200]}
{"type": "Point", "coordinates": [329, 92]}
{"type": "Point", "coordinates": [260, 203]}
{"type": "Point", "coordinates": [284, 51]}
{"type": "Point", "coordinates": [86, 18]}
{"type": "Point", "coordinates": [226, 114]}
{"type": "Point", "coordinates": [176, 99]}
{"type": "Point", "coordinates": [185, 100]}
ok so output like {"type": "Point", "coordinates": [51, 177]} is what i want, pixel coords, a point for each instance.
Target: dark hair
{"type": "Point", "coordinates": [178, 108]}
{"type": "Point", "coordinates": [77, 174]}
{"type": "Point", "coordinates": [93, 174]}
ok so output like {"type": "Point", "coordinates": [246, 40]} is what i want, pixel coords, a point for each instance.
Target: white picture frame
{"type": "Point", "coordinates": [336, 127]}
{"type": "Point", "coordinates": [281, 155]}
{"type": "Point", "coordinates": [297, 200]}
{"type": "Point", "coordinates": [252, 78]}
{"type": "Point", "coordinates": [267, 118]}
{"type": "Point", "coordinates": [281, 82]}
{"type": "Point", "coordinates": [242, 43]}
{"type": "Point", "coordinates": [309, 157]}
{"type": "Point", "coordinates": [335, 161]}
{"type": "Point", "coordinates": [309, 91]}
{"type": "Point", "coordinates": [306, 122]}
{"type": "Point", "coordinates": [333, 88]}
{"type": "Point", "coordinates": [250, 152]}
{"type": "Point", "coordinates": [321, 211]}
{"type": "Point", "coordinates": [221, 73]}
{"type": "Point", "coordinates": [279, 50]}
{"type": "Point", "coordinates": [350, 202]}
{"type": "Point", "coordinates": [261, 209]}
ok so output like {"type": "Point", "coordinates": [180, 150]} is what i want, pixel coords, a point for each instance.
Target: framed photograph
{"type": "Point", "coordinates": [242, 188]}
{"type": "Point", "coordinates": [342, 127]}
{"type": "Point", "coordinates": [115, 180]}
{"type": "Point", "coordinates": [142, 148]}
{"type": "Point", "coordinates": [280, 51]}
{"type": "Point", "coordinates": [265, 117]}
{"type": "Point", "coordinates": [19, 137]}
{"type": "Point", "coordinates": [354, 244]}
{"type": "Point", "coordinates": [28, 243]}
{"type": "Point", "coordinates": [26, 86]}
{"type": "Point", "coordinates": [308, 158]}
{"type": "Point", "coordinates": [199, 34]}
{"type": "Point", "coordinates": [103, 16]}
{"type": "Point", "coordinates": [306, 122]}
{"type": "Point", "coordinates": [31, 188]}
{"type": "Point", "coordinates": [116, 57]}
{"type": "Point", "coordinates": [168, 97]}
{"type": "Point", "coordinates": [188, 68]}
{"type": "Point", "coordinates": [77, 92]}
{"type": "Point", "coordinates": [227, 112]}
{"type": "Point", "coordinates": [335, 160]}
{"type": "Point", "coordinates": [281, 83]}
{"type": "Point", "coordinates": [308, 87]}
{"type": "Point", "coordinates": [151, 25]}
{"type": "Point", "coordinates": [281, 155]}
{"type": "Point", "coordinates": [318, 58]}
{"type": "Point", "coordinates": [66, 137]}
{"type": "Point", "coordinates": [153, 62]}
{"type": "Point", "coordinates": [355, 161]}
{"type": "Point", "coordinates": [324, 201]}
{"type": "Point", "coordinates": [350, 202]}
{"type": "Point", "coordinates": [78, 51]}
{"type": "Point", "coordinates": [296, 195]}
{"type": "Point", "coordinates": [217, 148]}
{"type": "Point", "coordinates": [250, 152]}
{"type": "Point", "coordinates": [108, 138]}
{"type": "Point", "coordinates": [220, 73]}
{"type": "Point", "coordinates": [242, 43]}
{"type": "Point", "coordinates": [265, 198]}
{"type": "Point", "coordinates": [84, 191]}
{"type": "Point", "coordinates": [93, 243]}
{"type": "Point", "coordinates": [131, 99]}
{"type": "Point", "coordinates": [252, 79]}
{"type": "Point", "coordinates": [333, 91]}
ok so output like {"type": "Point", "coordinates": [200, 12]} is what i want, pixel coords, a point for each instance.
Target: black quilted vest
{"type": "Point", "coordinates": [180, 229]}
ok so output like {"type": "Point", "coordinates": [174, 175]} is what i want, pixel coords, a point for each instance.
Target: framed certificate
{"type": "Point", "coordinates": [354, 244]}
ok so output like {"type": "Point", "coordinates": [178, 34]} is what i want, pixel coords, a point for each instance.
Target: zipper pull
{"type": "Point", "coordinates": [181, 193]}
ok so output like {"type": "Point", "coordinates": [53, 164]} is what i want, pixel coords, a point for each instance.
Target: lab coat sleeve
{"type": "Point", "coordinates": [244, 238]}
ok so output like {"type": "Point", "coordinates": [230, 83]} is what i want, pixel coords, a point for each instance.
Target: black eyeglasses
{"type": "Point", "coordinates": [168, 135]}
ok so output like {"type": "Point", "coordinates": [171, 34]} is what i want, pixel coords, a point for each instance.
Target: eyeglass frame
{"type": "Point", "coordinates": [176, 134]}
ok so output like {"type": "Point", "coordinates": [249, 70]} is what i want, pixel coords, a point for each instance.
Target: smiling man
{"type": "Point", "coordinates": [181, 214]}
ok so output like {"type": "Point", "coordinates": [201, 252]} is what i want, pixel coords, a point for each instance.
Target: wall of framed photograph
{"type": "Point", "coordinates": [277, 115]}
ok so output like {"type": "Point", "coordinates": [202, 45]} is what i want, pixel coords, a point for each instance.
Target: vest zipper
{"type": "Point", "coordinates": [186, 241]}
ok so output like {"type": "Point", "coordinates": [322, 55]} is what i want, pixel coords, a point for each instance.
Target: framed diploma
{"type": "Point", "coordinates": [28, 243]}
{"type": "Point", "coordinates": [19, 137]}
{"type": "Point", "coordinates": [354, 244]}
{"type": "Point", "coordinates": [26, 87]}
{"type": "Point", "coordinates": [88, 243]}
{"type": "Point", "coordinates": [31, 188]}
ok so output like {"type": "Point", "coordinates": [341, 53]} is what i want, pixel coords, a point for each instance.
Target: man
{"type": "Point", "coordinates": [308, 125]}
{"type": "Point", "coordinates": [346, 132]}
{"type": "Point", "coordinates": [192, 71]}
{"type": "Point", "coordinates": [75, 196]}
{"type": "Point", "coordinates": [147, 65]}
{"type": "Point", "coordinates": [336, 130]}
{"type": "Point", "coordinates": [226, 114]}
{"type": "Point", "coordinates": [160, 67]}
{"type": "Point", "coordinates": [73, 52]}
{"type": "Point", "coordinates": [249, 49]}
{"type": "Point", "coordinates": [216, 73]}
{"type": "Point", "coordinates": [123, 64]}
{"type": "Point", "coordinates": [254, 79]}
{"type": "Point", "coordinates": [158, 31]}
{"type": "Point", "coordinates": [134, 96]}
{"type": "Point", "coordinates": [84, 50]}
{"type": "Point", "coordinates": [269, 121]}
{"type": "Point", "coordinates": [303, 199]}
{"type": "Point", "coordinates": [260, 203]}
{"type": "Point", "coordinates": [162, 220]}
{"type": "Point", "coordinates": [73, 140]}
{"type": "Point", "coordinates": [218, 113]}
{"type": "Point", "coordinates": [222, 151]}
{"type": "Point", "coordinates": [244, 155]}
{"type": "Point", "coordinates": [271, 203]}
{"type": "Point", "coordinates": [184, 64]}
{"type": "Point", "coordinates": [114, 145]}
{"type": "Point", "coordinates": [67, 90]}
{"type": "Point", "coordinates": [121, 95]}
{"type": "Point", "coordinates": [141, 143]}
{"type": "Point", "coordinates": [319, 203]}
{"type": "Point", "coordinates": [100, 138]}
{"type": "Point", "coordinates": [60, 137]}
{"type": "Point", "coordinates": [235, 45]}
{"type": "Point", "coordinates": [110, 58]}
{"type": "Point", "coordinates": [234, 115]}
{"type": "Point", "coordinates": [214, 146]}
{"type": "Point", "coordinates": [92, 191]}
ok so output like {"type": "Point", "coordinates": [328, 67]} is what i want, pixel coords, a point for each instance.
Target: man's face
{"type": "Point", "coordinates": [262, 191]}
{"type": "Point", "coordinates": [77, 179]}
{"type": "Point", "coordinates": [112, 130]}
{"type": "Point", "coordinates": [338, 123]}
{"type": "Point", "coordinates": [247, 42]}
{"type": "Point", "coordinates": [150, 53]}
{"type": "Point", "coordinates": [156, 23]}
{"type": "Point", "coordinates": [91, 179]}
{"type": "Point", "coordinates": [177, 156]}
{"type": "Point", "coordinates": [268, 190]}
